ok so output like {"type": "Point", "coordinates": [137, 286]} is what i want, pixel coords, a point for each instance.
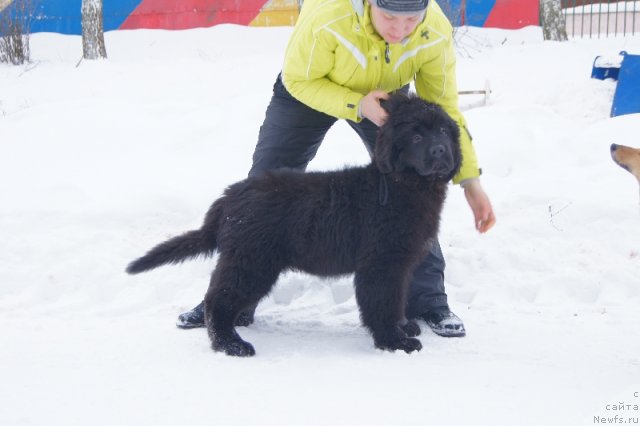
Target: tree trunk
{"type": "Point", "coordinates": [15, 30]}
{"type": "Point", "coordinates": [552, 21]}
{"type": "Point", "coordinates": [92, 30]}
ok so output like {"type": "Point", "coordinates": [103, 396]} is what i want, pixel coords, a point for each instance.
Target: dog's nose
{"type": "Point", "coordinates": [437, 151]}
{"type": "Point", "coordinates": [613, 147]}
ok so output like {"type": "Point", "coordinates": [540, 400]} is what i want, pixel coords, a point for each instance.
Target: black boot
{"type": "Point", "coordinates": [444, 323]}
{"type": "Point", "coordinates": [195, 318]}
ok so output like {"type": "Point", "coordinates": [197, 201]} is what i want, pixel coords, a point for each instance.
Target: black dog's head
{"type": "Point", "coordinates": [418, 136]}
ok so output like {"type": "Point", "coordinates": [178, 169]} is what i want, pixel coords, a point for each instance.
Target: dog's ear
{"type": "Point", "coordinates": [394, 102]}
{"type": "Point", "coordinates": [454, 130]}
{"type": "Point", "coordinates": [457, 162]}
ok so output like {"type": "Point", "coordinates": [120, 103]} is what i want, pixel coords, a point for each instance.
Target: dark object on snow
{"type": "Point", "coordinates": [377, 221]}
{"type": "Point", "coordinates": [195, 318]}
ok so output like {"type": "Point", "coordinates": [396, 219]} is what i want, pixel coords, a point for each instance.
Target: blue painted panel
{"type": "Point", "coordinates": [626, 100]}
{"type": "Point", "coordinates": [116, 11]}
{"type": "Point", "coordinates": [451, 8]}
{"type": "Point", "coordinates": [58, 16]}
{"type": "Point", "coordinates": [477, 12]}
{"type": "Point", "coordinates": [64, 16]}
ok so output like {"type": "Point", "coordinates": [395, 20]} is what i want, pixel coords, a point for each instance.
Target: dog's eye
{"type": "Point", "coordinates": [443, 130]}
{"type": "Point", "coordinates": [416, 139]}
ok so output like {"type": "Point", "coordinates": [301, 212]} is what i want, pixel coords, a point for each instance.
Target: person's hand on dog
{"type": "Point", "coordinates": [371, 109]}
{"type": "Point", "coordinates": [480, 205]}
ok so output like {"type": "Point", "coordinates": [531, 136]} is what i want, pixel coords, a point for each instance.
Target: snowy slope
{"type": "Point", "coordinates": [99, 162]}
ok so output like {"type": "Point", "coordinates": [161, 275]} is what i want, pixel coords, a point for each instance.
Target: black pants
{"type": "Point", "coordinates": [290, 137]}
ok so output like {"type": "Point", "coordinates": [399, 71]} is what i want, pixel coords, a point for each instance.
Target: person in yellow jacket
{"type": "Point", "coordinates": [344, 57]}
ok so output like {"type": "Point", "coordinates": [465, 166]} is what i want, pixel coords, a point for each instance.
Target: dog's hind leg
{"type": "Point", "coordinates": [235, 287]}
{"type": "Point", "coordinates": [381, 295]}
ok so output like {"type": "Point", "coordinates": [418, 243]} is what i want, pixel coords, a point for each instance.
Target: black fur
{"type": "Point", "coordinates": [375, 221]}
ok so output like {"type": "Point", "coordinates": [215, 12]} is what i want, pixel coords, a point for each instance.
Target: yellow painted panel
{"type": "Point", "coordinates": [277, 13]}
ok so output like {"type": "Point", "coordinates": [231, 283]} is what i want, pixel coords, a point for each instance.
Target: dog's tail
{"type": "Point", "coordinates": [200, 242]}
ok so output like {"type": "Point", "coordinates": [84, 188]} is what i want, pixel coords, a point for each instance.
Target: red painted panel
{"type": "Point", "coordinates": [183, 14]}
{"type": "Point", "coordinates": [509, 14]}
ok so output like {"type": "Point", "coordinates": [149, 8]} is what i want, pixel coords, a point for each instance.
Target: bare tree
{"type": "Point", "coordinates": [552, 21]}
{"type": "Point", "coordinates": [93, 30]}
{"type": "Point", "coordinates": [15, 28]}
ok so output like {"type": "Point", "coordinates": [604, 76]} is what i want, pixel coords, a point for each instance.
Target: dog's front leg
{"type": "Point", "coordinates": [381, 295]}
{"type": "Point", "coordinates": [410, 327]}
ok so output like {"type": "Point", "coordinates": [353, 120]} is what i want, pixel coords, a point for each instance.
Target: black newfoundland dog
{"type": "Point", "coordinates": [375, 221]}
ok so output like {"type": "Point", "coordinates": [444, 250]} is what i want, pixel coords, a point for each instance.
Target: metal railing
{"type": "Point", "coordinates": [601, 18]}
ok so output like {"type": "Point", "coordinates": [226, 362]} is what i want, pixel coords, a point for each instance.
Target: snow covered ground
{"type": "Point", "coordinates": [99, 162]}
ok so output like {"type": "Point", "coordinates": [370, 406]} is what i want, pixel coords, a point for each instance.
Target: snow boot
{"type": "Point", "coordinates": [192, 319]}
{"type": "Point", "coordinates": [195, 318]}
{"type": "Point", "coordinates": [444, 323]}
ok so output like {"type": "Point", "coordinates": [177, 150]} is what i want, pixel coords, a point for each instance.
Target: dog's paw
{"type": "Point", "coordinates": [411, 328]}
{"type": "Point", "coordinates": [236, 347]}
{"type": "Point", "coordinates": [407, 344]}
{"type": "Point", "coordinates": [244, 320]}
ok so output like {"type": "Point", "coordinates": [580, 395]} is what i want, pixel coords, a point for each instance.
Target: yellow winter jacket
{"type": "Point", "coordinates": [335, 57]}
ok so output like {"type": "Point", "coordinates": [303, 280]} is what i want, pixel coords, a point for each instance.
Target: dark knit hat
{"type": "Point", "coordinates": [402, 7]}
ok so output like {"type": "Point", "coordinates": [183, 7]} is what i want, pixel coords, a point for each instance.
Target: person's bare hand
{"type": "Point", "coordinates": [370, 107]}
{"type": "Point", "coordinates": [480, 205]}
